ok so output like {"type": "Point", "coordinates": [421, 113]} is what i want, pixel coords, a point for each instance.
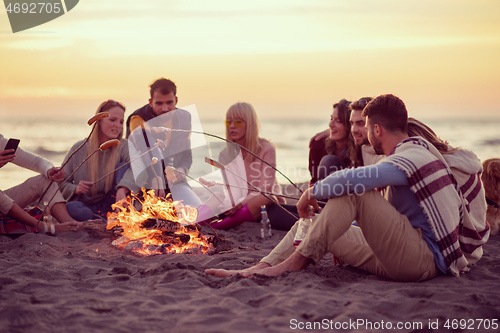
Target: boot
{"type": "Point", "coordinates": [242, 215]}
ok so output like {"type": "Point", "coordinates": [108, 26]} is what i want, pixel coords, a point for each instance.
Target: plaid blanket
{"type": "Point", "coordinates": [459, 233]}
{"type": "Point", "coordinates": [11, 226]}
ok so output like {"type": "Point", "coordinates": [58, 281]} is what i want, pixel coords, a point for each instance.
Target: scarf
{"type": "Point", "coordinates": [442, 200]}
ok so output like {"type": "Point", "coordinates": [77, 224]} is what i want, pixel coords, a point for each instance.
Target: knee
{"type": "Point", "coordinates": [328, 165]}
{"type": "Point", "coordinates": [361, 196]}
{"type": "Point", "coordinates": [41, 182]}
{"type": "Point", "coordinates": [79, 211]}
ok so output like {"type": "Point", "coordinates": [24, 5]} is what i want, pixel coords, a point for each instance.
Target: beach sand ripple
{"type": "Point", "coordinates": [79, 282]}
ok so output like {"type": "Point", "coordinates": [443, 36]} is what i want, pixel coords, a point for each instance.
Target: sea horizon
{"type": "Point", "coordinates": [51, 137]}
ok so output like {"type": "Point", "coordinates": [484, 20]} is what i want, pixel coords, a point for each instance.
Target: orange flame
{"type": "Point", "coordinates": [130, 220]}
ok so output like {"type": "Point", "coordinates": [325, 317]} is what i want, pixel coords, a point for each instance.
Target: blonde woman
{"type": "Point", "coordinates": [86, 197]}
{"type": "Point", "coordinates": [242, 128]}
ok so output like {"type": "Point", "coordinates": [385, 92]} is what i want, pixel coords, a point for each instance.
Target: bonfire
{"type": "Point", "coordinates": [160, 226]}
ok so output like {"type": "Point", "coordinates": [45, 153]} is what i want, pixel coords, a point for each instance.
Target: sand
{"type": "Point", "coordinates": [79, 282]}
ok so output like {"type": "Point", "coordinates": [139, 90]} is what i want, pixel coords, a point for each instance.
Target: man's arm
{"type": "Point", "coordinates": [28, 160]}
{"type": "Point", "coordinates": [359, 180]}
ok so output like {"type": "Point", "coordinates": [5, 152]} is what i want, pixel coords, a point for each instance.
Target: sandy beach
{"type": "Point", "coordinates": [79, 282]}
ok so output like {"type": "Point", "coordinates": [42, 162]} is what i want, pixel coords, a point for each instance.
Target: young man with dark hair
{"type": "Point", "coordinates": [176, 154]}
{"type": "Point", "coordinates": [362, 153]}
{"type": "Point", "coordinates": [423, 229]}
{"type": "Point", "coordinates": [163, 99]}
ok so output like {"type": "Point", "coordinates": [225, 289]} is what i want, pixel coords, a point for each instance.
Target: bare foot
{"type": "Point", "coordinates": [295, 262]}
{"type": "Point", "coordinates": [268, 271]}
{"type": "Point", "coordinates": [243, 272]}
{"type": "Point", "coordinates": [221, 272]}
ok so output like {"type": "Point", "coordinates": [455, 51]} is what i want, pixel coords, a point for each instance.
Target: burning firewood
{"type": "Point", "coordinates": [157, 228]}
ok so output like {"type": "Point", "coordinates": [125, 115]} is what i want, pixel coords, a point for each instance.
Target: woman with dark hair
{"type": "Point", "coordinates": [328, 152]}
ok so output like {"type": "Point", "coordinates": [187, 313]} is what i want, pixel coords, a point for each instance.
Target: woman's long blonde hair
{"type": "Point", "coordinates": [253, 142]}
{"type": "Point", "coordinates": [418, 128]}
{"type": "Point", "coordinates": [111, 155]}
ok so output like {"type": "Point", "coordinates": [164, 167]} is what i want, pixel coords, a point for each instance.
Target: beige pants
{"type": "Point", "coordinates": [385, 243]}
{"type": "Point", "coordinates": [31, 190]}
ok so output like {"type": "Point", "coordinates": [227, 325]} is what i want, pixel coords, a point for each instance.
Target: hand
{"type": "Point", "coordinates": [56, 174]}
{"type": "Point", "coordinates": [68, 226]}
{"type": "Point", "coordinates": [121, 193]}
{"type": "Point", "coordinates": [306, 202]}
{"type": "Point", "coordinates": [321, 135]}
{"type": "Point", "coordinates": [83, 187]}
{"type": "Point", "coordinates": [171, 174]}
{"type": "Point", "coordinates": [6, 156]}
{"type": "Point", "coordinates": [174, 175]}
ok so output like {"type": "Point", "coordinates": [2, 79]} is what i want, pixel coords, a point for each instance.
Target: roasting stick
{"type": "Point", "coordinates": [210, 183]}
{"type": "Point", "coordinates": [91, 121]}
{"type": "Point", "coordinates": [165, 129]}
{"type": "Point", "coordinates": [104, 146]}
{"type": "Point", "coordinates": [218, 164]}
{"type": "Point", "coordinates": [185, 174]}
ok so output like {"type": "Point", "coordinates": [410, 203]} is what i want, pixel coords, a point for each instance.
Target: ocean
{"type": "Point", "coordinates": [51, 137]}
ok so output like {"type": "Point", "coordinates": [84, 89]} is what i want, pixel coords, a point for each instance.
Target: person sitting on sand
{"type": "Point", "coordinates": [423, 229]}
{"type": "Point", "coordinates": [177, 155]}
{"type": "Point", "coordinates": [467, 169]}
{"type": "Point", "coordinates": [360, 154]}
{"type": "Point", "coordinates": [88, 194]}
{"type": "Point", "coordinates": [363, 153]}
{"type": "Point", "coordinates": [358, 149]}
{"type": "Point", "coordinates": [14, 200]}
{"type": "Point", "coordinates": [242, 127]}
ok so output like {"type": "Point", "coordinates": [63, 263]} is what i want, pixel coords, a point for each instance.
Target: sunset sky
{"type": "Point", "coordinates": [289, 58]}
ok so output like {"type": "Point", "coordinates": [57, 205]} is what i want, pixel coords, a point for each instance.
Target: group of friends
{"type": "Point", "coordinates": [387, 195]}
{"type": "Point", "coordinates": [91, 180]}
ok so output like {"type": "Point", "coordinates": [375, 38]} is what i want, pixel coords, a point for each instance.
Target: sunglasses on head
{"type": "Point", "coordinates": [237, 123]}
{"type": "Point", "coordinates": [112, 103]}
{"type": "Point", "coordinates": [362, 102]}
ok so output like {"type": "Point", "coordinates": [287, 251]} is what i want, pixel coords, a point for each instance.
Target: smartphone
{"type": "Point", "coordinates": [12, 144]}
